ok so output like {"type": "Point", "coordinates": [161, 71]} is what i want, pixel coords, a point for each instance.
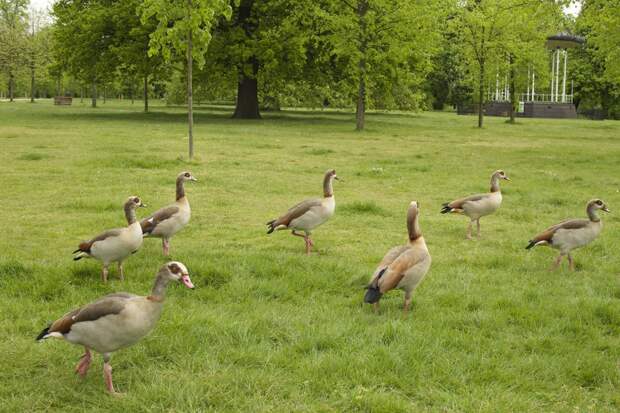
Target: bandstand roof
{"type": "Point", "coordinates": [564, 41]}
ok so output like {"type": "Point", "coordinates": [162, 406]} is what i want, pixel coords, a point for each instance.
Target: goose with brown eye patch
{"type": "Point", "coordinates": [403, 267]}
{"type": "Point", "coordinates": [308, 214]}
{"type": "Point", "coordinates": [479, 205]}
{"type": "Point", "coordinates": [169, 220]}
{"type": "Point", "coordinates": [572, 234]}
{"type": "Point", "coordinates": [115, 321]}
{"type": "Point", "coordinates": [115, 245]}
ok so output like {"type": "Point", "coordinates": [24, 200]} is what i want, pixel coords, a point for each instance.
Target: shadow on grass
{"type": "Point", "coordinates": [219, 115]}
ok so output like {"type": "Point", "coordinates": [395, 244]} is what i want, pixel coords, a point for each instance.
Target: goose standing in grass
{"type": "Point", "coordinates": [115, 321]}
{"type": "Point", "coordinates": [403, 267]}
{"type": "Point", "coordinates": [171, 219]}
{"type": "Point", "coordinates": [571, 234]}
{"type": "Point", "coordinates": [477, 206]}
{"type": "Point", "coordinates": [115, 245]}
{"type": "Point", "coordinates": [309, 214]}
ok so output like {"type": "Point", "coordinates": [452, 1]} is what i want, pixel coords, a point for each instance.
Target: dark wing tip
{"type": "Point", "coordinates": [373, 295]}
{"type": "Point", "coordinates": [530, 245]}
{"type": "Point", "coordinates": [43, 333]}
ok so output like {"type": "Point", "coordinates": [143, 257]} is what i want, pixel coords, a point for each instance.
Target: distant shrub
{"type": "Point", "coordinates": [32, 157]}
{"type": "Point", "coordinates": [360, 207]}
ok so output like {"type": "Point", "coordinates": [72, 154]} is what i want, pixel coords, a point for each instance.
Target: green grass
{"type": "Point", "coordinates": [269, 329]}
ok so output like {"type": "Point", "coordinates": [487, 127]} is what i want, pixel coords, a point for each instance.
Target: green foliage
{"type": "Point", "coordinates": [13, 43]}
{"type": "Point", "coordinates": [602, 19]}
{"type": "Point", "coordinates": [388, 45]}
{"type": "Point", "coordinates": [176, 19]}
{"type": "Point", "coordinates": [594, 65]}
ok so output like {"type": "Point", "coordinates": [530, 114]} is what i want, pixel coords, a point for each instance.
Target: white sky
{"type": "Point", "coordinates": [43, 4]}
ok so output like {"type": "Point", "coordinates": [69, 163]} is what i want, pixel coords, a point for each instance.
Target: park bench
{"type": "Point", "coordinates": [62, 100]}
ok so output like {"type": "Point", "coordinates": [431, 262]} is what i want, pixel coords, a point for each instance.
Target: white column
{"type": "Point", "coordinates": [496, 86]}
{"type": "Point", "coordinates": [527, 94]}
{"type": "Point", "coordinates": [564, 77]}
{"type": "Point", "coordinates": [533, 81]}
{"type": "Point", "coordinates": [552, 74]}
{"type": "Point", "coordinates": [557, 76]}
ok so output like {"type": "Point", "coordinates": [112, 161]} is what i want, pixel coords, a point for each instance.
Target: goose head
{"type": "Point", "coordinates": [177, 271]}
{"type": "Point", "coordinates": [186, 176]}
{"type": "Point", "coordinates": [597, 204]}
{"type": "Point", "coordinates": [134, 202]}
{"type": "Point", "coordinates": [331, 175]}
{"type": "Point", "coordinates": [500, 174]}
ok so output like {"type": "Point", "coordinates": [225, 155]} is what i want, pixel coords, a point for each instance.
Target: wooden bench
{"type": "Point", "coordinates": [63, 100]}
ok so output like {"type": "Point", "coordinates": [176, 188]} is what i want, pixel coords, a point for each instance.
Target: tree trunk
{"type": "Point", "coordinates": [361, 103]}
{"type": "Point", "coordinates": [247, 86]}
{"type": "Point", "coordinates": [93, 95]}
{"type": "Point", "coordinates": [11, 86]}
{"type": "Point", "coordinates": [190, 95]}
{"type": "Point", "coordinates": [513, 101]}
{"type": "Point", "coordinates": [481, 95]}
{"type": "Point", "coordinates": [82, 94]}
{"type": "Point", "coordinates": [104, 93]}
{"type": "Point", "coordinates": [146, 93]}
{"type": "Point", "coordinates": [247, 98]}
{"type": "Point", "coordinates": [32, 82]}
{"type": "Point", "coordinates": [360, 113]}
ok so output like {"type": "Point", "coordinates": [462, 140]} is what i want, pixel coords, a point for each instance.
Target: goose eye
{"type": "Point", "coordinates": [136, 200]}
{"type": "Point", "coordinates": [187, 174]}
{"type": "Point", "coordinates": [599, 202]}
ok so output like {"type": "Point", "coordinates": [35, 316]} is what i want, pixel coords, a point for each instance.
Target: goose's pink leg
{"type": "Point", "coordinates": [107, 374]}
{"type": "Point", "coordinates": [165, 243]}
{"type": "Point", "coordinates": [556, 263]}
{"type": "Point", "coordinates": [305, 237]}
{"type": "Point", "coordinates": [84, 364]}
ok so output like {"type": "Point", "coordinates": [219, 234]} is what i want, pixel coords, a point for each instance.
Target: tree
{"type": "Point", "coordinates": [386, 48]}
{"type": "Point", "coordinates": [602, 20]}
{"type": "Point", "coordinates": [12, 39]}
{"type": "Point", "coordinates": [490, 33]}
{"type": "Point", "coordinates": [83, 36]}
{"type": "Point", "coordinates": [183, 28]}
{"type": "Point", "coordinates": [261, 49]}
{"type": "Point", "coordinates": [38, 45]}
{"type": "Point", "coordinates": [594, 68]}
{"type": "Point", "coordinates": [131, 44]}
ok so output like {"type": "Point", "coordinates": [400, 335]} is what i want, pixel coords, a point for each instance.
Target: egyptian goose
{"type": "Point", "coordinates": [477, 206]}
{"type": "Point", "coordinates": [115, 321]}
{"type": "Point", "coordinates": [308, 214]}
{"type": "Point", "coordinates": [571, 234]}
{"type": "Point", "coordinates": [170, 219]}
{"type": "Point", "coordinates": [115, 245]}
{"type": "Point", "coordinates": [403, 267]}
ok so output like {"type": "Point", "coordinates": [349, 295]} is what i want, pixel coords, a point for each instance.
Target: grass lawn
{"type": "Point", "coordinates": [270, 329]}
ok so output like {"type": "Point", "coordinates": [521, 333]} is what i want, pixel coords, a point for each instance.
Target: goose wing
{"type": "Point", "coordinates": [108, 305]}
{"type": "Point", "coordinates": [293, 213]}
{"type": "Point", "coordinates": [87, 245]}
{"type": "Point", "coordinates": [457, 204]}
{"type": "Point", "coordinates": [149, 224]}
{"type": "Point", "coordinates": [546, 237]}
